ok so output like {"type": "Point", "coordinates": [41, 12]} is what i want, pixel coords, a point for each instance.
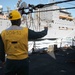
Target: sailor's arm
{"type": "Point", "coordinates": [35, 35]}
{"type": "Point", "coordinates": [2, 51]}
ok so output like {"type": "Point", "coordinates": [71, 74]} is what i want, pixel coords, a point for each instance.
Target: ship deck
{"type": "Point", "coordinates": [44, 64]}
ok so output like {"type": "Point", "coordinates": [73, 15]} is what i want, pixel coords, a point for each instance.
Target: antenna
{"type": "Point", "coordinates": [18, 3]}
{"type": "Point", "coordinates": [1, 9]}
{"type": "Point", "coordinates": [8, 9]}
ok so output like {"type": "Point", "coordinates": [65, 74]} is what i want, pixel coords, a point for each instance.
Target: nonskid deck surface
{"type": "Point", "coordinates": [44, 64]}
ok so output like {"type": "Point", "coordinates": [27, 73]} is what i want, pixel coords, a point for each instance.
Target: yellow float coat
{"type": "Point", "coordinates": [16, 43]}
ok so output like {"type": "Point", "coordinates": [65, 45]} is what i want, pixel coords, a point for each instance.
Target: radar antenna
{"type": "Point", "coordinates": [18, 3]}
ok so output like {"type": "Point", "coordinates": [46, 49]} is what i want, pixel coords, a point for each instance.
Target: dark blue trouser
{"type": "Point", "coordinates": [17, 67]}
{"type": "Point", "coordinates": [1, 69]}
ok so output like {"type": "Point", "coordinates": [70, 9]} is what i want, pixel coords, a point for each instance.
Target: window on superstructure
{"type": "Point", "coordinates": [63, 19]}
{"type": "Point", "coordinates": [52, 21]}
{"type": "Point", "coordinates": [70, 20]}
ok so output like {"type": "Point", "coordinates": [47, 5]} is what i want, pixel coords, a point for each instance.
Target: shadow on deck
{"type": "Point", "coordinates": [44, 64]}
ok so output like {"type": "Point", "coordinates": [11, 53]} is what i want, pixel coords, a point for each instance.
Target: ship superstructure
{"type": "Point", "coordinates": [60, 22]}
{"type": "Point", "coordinates": [4, 22]}
{"type": "Point", "coordinates": [61, 25]}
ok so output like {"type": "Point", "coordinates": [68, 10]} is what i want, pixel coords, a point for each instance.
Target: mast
{"type": "Point", "coordinates": [8, 9]}
{"type": "Point", "coordinates": [1, 8]}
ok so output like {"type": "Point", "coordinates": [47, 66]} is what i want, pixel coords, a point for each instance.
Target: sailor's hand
{"type": "Point", "coordinates": [46, 27]}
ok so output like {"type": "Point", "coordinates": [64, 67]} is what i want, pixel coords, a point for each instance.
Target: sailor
{"type": "Point", "coordinates": [15, 41]}
{"type": "Point", "coordinates": [2, 58]}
